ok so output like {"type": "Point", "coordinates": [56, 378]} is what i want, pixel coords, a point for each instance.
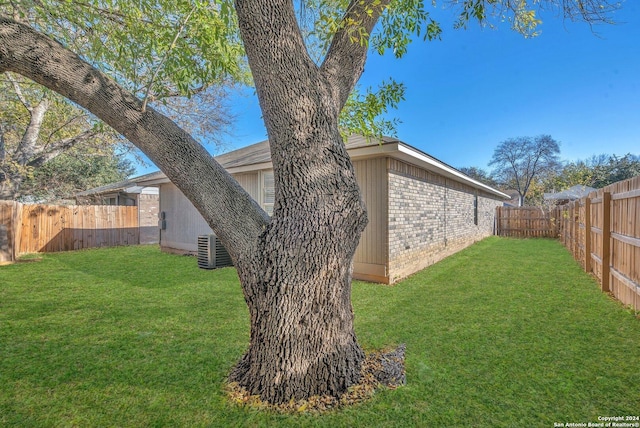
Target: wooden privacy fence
{"type": "Point", "coordinates": [527, 222]}
{"type": "Point", "coordinates": [30, 228]}
{"type": "Point", "coordinates": [601, 230]}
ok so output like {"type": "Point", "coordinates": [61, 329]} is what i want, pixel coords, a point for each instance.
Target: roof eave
{"type": "Point", "coordinates": [411, 155]}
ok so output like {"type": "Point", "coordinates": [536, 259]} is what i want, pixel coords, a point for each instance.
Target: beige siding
{"type": "Point", "coordinates": [371, 257]}
{"type": "Point", "coordinates": [250, 182]}
{"type": "Point", "coordinates": [184, 223]}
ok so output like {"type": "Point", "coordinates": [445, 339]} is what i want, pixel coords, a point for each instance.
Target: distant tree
{"type": "Point", "coordinates": [617, 169]}
{"type": "Point", "coordinates": [597, 171]}
{"type": "Point", "coordinates": [537, 189]}
{"type": "Point", "coordinates": [36, 127]}
{"type": "Point", "coordinates": [517, 161]}
{"type": "Point", "coordinates": [72, 172]}
{"type": "Point", "coordinates": [480, 175]}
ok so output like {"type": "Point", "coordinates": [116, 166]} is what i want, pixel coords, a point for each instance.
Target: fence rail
{"type": "Point", "coordinates": [601, 230]}
{"type": "Point", "coordinates": [30, 228]}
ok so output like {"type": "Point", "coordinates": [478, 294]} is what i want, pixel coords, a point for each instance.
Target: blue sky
{"type": "Point", "coordinates": [478, 87]}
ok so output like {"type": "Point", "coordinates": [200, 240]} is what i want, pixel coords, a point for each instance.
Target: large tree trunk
{"type": "Point", "coordinates": [302, 337]}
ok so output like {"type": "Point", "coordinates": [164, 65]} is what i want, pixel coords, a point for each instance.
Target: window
{"type": "Point", "coordinates": [475, 210]}
{"type": "Point", "coordinates": [268, 191]}
{"type": "Point", "coordinates": [110, 201]}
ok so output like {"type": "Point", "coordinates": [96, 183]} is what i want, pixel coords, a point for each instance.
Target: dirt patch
{"type": "Point", "coordinates": [381, 369]}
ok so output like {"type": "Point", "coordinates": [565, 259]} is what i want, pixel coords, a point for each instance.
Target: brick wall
{"type": "Point", "coordinates": [148, 206]}
{"type": "Point", "coordinates": [431, 217]}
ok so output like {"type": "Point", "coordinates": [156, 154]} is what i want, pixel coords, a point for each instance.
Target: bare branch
{"type": "Point", "coordinates": [18, 91]}
{"type": "Point", "coordinates": [2, 143]}
{"type": "Point", "coordinates": [45, 154]}
{"type": "Point", "coordinates": [63, 125]}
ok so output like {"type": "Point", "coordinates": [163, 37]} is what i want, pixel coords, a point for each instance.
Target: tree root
{"type": "Point", "coordinates": [380, 369]}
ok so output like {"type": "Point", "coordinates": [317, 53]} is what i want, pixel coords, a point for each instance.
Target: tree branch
{"type": "Point", "coordinates": [2, 143]}
{"type": "Point", "coordinates": [18, 91]}
{"type": "Point", "coordinates": [276, 43]}
{"type": "Point", "coordinates": [64, 124]}
{"type": "Point", "coordinates": [56, 149]}
{"type": "Point", "coordinates": [109, 15]}
{"type": "Point", "coordinates": [344, 62]}
{"type": "Point", "coordinates": [164, 58]}
{"type": "Point", "coordinates": [234, 216]}
{"type": "Point", "coordinates": [27, 146]}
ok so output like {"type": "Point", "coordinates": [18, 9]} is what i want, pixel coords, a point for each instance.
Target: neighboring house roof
{"type": "Point", "coordinates": [576, 192]}
{"type": "Point", "coordinates": [127, 186]}
{"type": "Point", "coordinates": [258, 156]}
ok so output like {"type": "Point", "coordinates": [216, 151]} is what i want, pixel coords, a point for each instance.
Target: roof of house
{"type": "Point", "coordinates": [575, 192]}
{"type": "Point", "coordinates": [260, 153]}
{"type": "Point", "coordinates": [258, 157]}
{"type": "Point", "coordinates": [128, 186]}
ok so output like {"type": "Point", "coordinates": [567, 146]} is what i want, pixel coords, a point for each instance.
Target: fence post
{"type": "Point", "coordinates": [606, 241]}
{"type": "Point", "coordinates": [587, 234]}
{"type": "Point", "coordinates": [574, 240]}
{"type": "Point", "coordinates": [17, 229]}
{"type": "Point", "coordinates": [6, 236]}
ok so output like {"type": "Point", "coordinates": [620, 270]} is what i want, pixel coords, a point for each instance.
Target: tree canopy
{"type": "Point", "coordinates": [37, 126]}
{"type": "Point", "coordinates": [597, 171]}
{"type": "Point", "coordinates": [154, 48]}
{"type": "Point", "coordinates": [518, 161]}
{"type": "Point", "coordinates": [178, 55]}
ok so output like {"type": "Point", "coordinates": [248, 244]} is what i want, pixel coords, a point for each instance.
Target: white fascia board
{"type": "Point", "coordinates": [411, 155]}
{"type": "Point", "coordinates": [133, 189]}
{"type": "Point", "coordinates": [149, 190]}
{"type": "Point", "coordinates": [153, 182]}
{"type": "Point", "coordinates": [373, 150]}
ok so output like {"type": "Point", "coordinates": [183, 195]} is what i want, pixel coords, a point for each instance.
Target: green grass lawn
{"type": "Point", "coordinates": [508, 333]}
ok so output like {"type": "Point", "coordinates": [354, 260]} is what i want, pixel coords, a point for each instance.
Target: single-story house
{"type": "Point", "coordinates": [128, 193]}
{"type": "Point", "coordinates": [420, 209]}
{"type": "Point", "coordinates": [571, 194]}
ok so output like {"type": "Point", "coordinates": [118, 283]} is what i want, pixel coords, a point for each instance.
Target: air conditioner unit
{"type": "Point", "coordinates": [211, 253]}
